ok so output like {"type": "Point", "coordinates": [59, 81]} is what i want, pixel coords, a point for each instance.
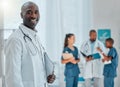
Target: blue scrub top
{"type": "Point", "coordinates": [70, 68]}
{"type": "Point", "coordinates": [110, 70]}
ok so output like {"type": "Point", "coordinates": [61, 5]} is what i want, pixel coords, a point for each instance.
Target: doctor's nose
{"type": "Point", "coordinates": [34, 16]}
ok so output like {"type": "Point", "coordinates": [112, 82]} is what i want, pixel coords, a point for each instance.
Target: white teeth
{"type": "Point", "coordinates": [34, 20]}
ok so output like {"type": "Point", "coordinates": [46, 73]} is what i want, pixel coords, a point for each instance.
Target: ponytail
{"type": "Point", "coordinates": [66, 39]}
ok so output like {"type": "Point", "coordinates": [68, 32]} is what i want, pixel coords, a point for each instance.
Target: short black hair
{"type": "Point", "coordinates": [26, 4]}
{"type": "Point", "coordinates": [110, 40]}
{"type": "Point", "coordinates": [92, 31]}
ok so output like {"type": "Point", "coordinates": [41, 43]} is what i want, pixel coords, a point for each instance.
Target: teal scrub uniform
{"type": "Point", "coordinates": [71, 70]}
{"type": "Point", "coordinates": [110, 71]}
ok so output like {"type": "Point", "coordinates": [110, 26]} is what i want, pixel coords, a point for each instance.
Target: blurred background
{"type": "Point", "coordinates": [58, 17]}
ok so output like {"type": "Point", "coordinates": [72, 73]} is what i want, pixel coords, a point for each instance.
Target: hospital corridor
{"type": "Point", "coordinates": [59, 43]}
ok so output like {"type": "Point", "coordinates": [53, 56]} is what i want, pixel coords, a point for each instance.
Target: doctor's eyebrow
{"type": "Point", "coordinates": [29, 11]}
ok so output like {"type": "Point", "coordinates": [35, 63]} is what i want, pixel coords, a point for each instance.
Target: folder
{"type": "Point", "coordinates": [107, 62]}
{"type": "Point", "coordinates": [67, 55]}
{"type": "Point", "coordinates": [94, 56]}
{"type": "Point", "coordinates": [49, 65]}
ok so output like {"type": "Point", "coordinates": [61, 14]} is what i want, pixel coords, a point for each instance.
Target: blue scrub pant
{"type": "Point", "coordinates": [72, 81]}
{"type": "Point", "coordinates": [108, 81]}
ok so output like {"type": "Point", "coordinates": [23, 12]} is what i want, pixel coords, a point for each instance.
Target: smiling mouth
{"type": "Point", "coordinates": [34, 21]}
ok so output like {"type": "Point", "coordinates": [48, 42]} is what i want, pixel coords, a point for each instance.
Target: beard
{"type": "Point", "coordinates": [30, 22]}
{"type": "Point", "coordinates": [92, 40]}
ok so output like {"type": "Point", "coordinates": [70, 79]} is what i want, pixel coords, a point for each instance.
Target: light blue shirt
{"type": "Point", "coordinates": [92, 46]}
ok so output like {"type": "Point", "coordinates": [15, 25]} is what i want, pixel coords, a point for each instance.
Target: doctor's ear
{"type": "Point", "coordinates": [21, 14]}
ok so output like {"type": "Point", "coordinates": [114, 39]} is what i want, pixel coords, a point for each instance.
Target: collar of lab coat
{"type": "Point", "coordinates": [96, 43]}
{"type": "Point", "coordinates": [31, 33]}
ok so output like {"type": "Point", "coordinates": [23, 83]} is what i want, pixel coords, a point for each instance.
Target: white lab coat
{"type": "Point", "coordinates": [25, 64]}
{"type": "Point", "coordinates": [92, 68]}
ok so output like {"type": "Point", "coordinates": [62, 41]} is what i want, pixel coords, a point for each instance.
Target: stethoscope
{"type": "Point", "coordinates": [87, 47]}
{"type": "Point", "coordinates": [25, 37]}
{"type": "Point", "coordinates": [36, 48]}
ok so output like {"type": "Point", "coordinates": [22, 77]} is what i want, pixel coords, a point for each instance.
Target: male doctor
{"type": "Point", "coordinates": [93, 67]}
{"type": "Point", "coordinates": [25, 57]}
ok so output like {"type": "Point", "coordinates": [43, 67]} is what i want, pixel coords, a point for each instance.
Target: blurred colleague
{"type": "Point", "coordinates": [71, 68]}
{"type": "Point", "coordinates": [93, 67]}
{"type": "Point", "coordinates": [110, 69]}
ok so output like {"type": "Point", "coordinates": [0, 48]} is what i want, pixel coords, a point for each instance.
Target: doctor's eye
{"type": "Point", "coordinates": [36, 12]}
{"type": "Point", "coordinates": [29, 12]}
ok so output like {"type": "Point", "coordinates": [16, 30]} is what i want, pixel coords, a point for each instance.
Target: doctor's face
{"type": "Point", "coordinates": [71, 40]}
{"type": "Point", "coordinates": [93, 36]}
{"type": "Point", "coordinates": [30, 15]}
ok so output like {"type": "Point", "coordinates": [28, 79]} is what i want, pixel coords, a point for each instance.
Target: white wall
{"type": "Point", "coordinates": [65, 16]}
{"type": "Point", "coordinates": [106, 14]}
{"type": "Point", "coordinates": [1, 42]}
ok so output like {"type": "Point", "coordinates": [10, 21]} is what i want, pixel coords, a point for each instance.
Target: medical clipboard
{"type": "Point", "coordinates": [49, 65]}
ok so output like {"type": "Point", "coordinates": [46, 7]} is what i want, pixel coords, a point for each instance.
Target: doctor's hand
{"type": "Point", "coordinates": [74, 61]}
{"type": "Point", "coordinates": [51, 78]}
{"type": "Point", "coordinates": [99, 49]}
{"type": "Point", "coordinates": [71, 59]}
{"type": "Point", "coordinates": [103, 60]}
{"type": "Point", "coordinates": [89, 59]}
{"type": "Point", "coordinates": [106, 59]}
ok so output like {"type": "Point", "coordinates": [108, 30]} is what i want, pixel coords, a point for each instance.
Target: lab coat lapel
{"type": "Point", "coordinates": [89, 50]}
{"type": "Point", "coordinates": [29, 32]}
{"type": "Point", "coordinates": [95, 47]}
{"type": "Point", "coordinates": [86, 48]}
